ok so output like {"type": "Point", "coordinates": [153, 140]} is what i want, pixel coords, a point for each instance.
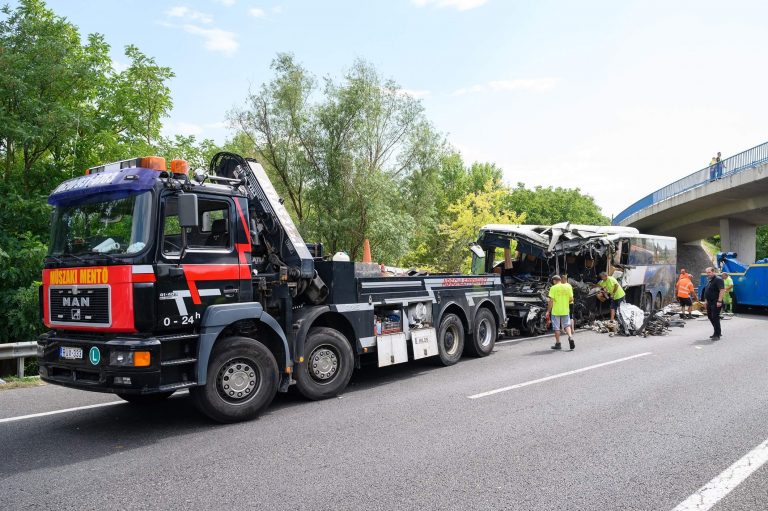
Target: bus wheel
{"type": "Point", "coordinates": [450, 340]}
{"type": "Point", "coordinates": [647, 303]}
{"type": "Point", "coordinates": [242, 380]}
{"type": "Point", "coordinates": [327, 365]}
{"type": "Point", "coordinates": [483, 335]}
{"type": "Point", "coordinates": [659, 301]}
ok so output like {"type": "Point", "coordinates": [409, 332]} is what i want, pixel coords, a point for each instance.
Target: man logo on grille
{"type": "Point", "coordinates": [75, 314]}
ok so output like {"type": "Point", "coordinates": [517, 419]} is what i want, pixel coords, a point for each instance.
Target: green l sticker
{"type": "Point", "coordinates": [94, 355]}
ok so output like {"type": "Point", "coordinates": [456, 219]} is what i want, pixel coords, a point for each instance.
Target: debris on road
{"type": "Point", "coordinates": [631, 320]}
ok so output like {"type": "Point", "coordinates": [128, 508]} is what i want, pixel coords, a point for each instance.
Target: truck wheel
{"type": "Point", "coordinates": [242, 380]}
{"type": "Point", "coordinates": [146, 399]}
{"type": "Point", "coordinates": [450, 340]}
{"type": "Point", "coordinates": [483, 335]}
{"type": "Point", "coordinates": [659, 301]}
{"type": "Point", "coordinates": [327, 365]}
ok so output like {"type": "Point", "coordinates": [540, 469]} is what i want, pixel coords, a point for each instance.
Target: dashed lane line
{"type": "Point", "coordinates": [555, 376]}
{"type": "Point", "coordinates": [714, 491]}
{"type": "Point", "coordinates": [56, 412]}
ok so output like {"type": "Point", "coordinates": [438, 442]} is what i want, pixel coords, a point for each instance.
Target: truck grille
{"type": "Point", "coordinates": [80, 305]}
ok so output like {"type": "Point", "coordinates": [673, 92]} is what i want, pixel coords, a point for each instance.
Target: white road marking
{"type": "Point", "coordinates": [555, 376]}
{"type": "Point", "coordinates": [714, 491]}
{"type": "Point", "coordinates": [56, 412]}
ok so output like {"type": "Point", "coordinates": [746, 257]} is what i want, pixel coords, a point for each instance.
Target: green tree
{"type": "Point", "coordinates": [762, 243]}
{"type": "Point", "coordinates": [553, 205]}
{"type": "Point", "coordinates": [467, 216]}
{"type": "Point", "coordinates": [276, 127]}
{"type": "Point", "coordinates": [63, 108]}
{"type": "Point", "coordinates": [47, 77]}
{"type": "Point", "coordinates": [197, 154]}
{"type": "Point", "coordinates": [346, 156]}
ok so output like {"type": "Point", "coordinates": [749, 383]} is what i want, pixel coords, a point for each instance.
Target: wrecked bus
{"type": "Point", "coordinates": [526, 256]}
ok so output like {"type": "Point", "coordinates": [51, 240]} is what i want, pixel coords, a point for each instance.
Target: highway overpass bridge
{"type": "Point", "coordinates": [731, 200]}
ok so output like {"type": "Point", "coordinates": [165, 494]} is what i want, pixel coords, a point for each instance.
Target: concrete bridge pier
{"type": "Point", "coordinates": [740, 237]}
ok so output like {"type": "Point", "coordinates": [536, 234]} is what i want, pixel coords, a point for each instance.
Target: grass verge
{"type": "Point", "coordinates": [14, 382]}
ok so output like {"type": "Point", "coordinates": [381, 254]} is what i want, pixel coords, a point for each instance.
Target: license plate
{"type": "Point", "coordinates": [71, 353]}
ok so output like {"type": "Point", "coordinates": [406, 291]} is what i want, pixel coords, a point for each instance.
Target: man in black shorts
{"type": "Point", "coordinates": [713, 299]}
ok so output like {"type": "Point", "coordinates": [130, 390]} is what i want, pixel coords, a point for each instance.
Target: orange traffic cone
{"type": "Point", "coordinates": [367, 251]}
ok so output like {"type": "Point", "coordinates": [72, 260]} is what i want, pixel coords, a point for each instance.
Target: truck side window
{"type": "Point", "coordinates": [213, 231]}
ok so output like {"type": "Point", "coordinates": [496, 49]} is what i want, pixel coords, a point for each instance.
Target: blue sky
{"type": "Point", "coordinates": [616, 98]}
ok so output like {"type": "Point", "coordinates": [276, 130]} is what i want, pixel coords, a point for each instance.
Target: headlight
{"type": "Point", "coordinates": [129, 358]}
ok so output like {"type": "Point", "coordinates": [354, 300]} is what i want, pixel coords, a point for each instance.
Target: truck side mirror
{"type": "Point", "coordinates": [188, 215]}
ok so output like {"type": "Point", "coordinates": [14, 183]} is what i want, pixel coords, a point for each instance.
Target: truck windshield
{"type": "Point", "coordinates": [117, 227]}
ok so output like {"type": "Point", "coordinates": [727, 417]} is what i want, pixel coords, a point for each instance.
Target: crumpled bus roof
{"type": "Point", "coordinates": [547, 240]}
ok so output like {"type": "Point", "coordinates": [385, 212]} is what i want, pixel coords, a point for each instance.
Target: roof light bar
{"type": "Point", "coordinates": [148, 162]}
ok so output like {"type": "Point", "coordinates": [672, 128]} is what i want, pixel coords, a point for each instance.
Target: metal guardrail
{"type": "Point", "coordinates": [748, 159]}
{"type": "Point", "coordinates": [18, 351]}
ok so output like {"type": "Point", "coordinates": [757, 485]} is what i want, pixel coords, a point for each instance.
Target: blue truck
{"type": "Point", "coordinates": [750, 281]}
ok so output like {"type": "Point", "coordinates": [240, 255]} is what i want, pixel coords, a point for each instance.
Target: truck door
{"type": "Point", "coordinates": [209, 272]}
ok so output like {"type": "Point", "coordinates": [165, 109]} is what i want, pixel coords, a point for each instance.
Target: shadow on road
{"type": "Point", "coordinates": [546, 352]}
{"type": "Point", "coordinates": [70, 438]}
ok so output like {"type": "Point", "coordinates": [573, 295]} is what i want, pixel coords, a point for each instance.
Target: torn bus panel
{"type": "Point", "coordinates": [527, 256]}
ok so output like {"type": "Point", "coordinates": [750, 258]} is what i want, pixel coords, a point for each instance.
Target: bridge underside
{"type": "Point", "coordinates": [732, 207]}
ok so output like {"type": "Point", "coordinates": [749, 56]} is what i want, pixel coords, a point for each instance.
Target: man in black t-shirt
{"type": "Point", "coordinates": [713, 299]}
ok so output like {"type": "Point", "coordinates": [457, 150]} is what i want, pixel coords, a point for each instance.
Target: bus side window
{"type": "Point", "coordinates": [622, 255]}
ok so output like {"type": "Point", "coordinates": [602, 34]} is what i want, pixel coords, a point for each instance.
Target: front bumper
{"type": "Point", "coordinates": [93, 371]}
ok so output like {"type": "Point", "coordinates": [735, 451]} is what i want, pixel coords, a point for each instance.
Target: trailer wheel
{"type": "Point", "coordinates": [483, 334]}
{"type": "Point", "coordinates": [450, 340]}
{"type": "Point", "coordinates": [146, 399]}
{"type": "Point", "coordinates": [327, 366]}
{"type": "Point", "coordinates": [242, 381]}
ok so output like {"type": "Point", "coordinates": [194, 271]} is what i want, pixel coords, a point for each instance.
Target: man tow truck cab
{"type": "Point", "coordinates": [158, 281]}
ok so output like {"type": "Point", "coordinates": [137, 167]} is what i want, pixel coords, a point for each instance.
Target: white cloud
{"type": "Point", "coordinates": [256, 12]}
{"type": "Point", "coordinates": [188, 14]}
{"type": "Point", "coordinates": [216, 39]}
{"type": "Point", "coordinates": [418, 94]}
{"type": "Point", "coordinates": [228, 3]}
{"type": "Point", "coordinates": [531, 84]}
{"type": "Point", "coordinates": [220, 125]}
{"type": "Point", "coordinates": [277, 9]}
{"type": "Point", "coordinates": [459, 5]}
{"type": "Point", "coordinates": [523, 84]}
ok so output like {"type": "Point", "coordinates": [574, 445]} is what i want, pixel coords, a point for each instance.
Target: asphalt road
{"type": "Point", "coordinates": [638, 433]}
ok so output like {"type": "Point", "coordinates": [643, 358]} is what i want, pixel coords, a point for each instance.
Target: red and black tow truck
{"type": "Point", "coordinates": [157, 281]}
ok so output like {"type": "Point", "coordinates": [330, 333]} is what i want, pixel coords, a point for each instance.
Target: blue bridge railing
{"type": "Point", "coordinates": [729, 166]}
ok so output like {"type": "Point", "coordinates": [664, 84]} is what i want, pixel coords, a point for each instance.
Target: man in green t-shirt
{"type": "Point", "coordinates": [727, 298]}
{"type": "Point", "coordinates": [613, 290]}
{"type": "Point", "coordinates": [558, 310]}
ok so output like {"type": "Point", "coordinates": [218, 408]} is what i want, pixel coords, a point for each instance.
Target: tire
{"type": "Point", "coordinates": [146, 399]}
{"type": "Point", "coordinates": [483, 334]}
{"type": "Point", "coordinates": [328, 364]}
{"type": "Point", "coordinates": [647, 303]}
{"type": "Point", "coordinates": [242, 381]}
{"type": "Point", "coordinates": [659, 303]}
{"type": "Point", "coordinates": [450, 340]}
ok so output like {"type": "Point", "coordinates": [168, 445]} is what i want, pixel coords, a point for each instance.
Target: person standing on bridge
{"type": "Point", "coordinates": [613, 290]}
{"type": "Point", "coordinates": [558, 310]}
{"type": "Point", "coordinates": [713, 299]}
{"type": "Point", "coordinates": [713, 168]}
{"type": "Point", "coordinates": [719, 166]}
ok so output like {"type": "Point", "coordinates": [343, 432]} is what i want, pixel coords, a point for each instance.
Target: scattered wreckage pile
{"type": "Point", "coordinates": [631, 320]}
